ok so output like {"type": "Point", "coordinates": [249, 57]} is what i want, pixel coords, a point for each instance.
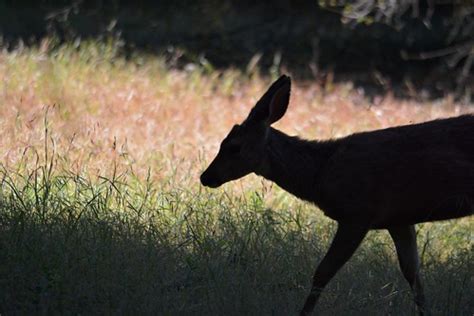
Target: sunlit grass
{"type": "Point", "coordinates": [101, 210]}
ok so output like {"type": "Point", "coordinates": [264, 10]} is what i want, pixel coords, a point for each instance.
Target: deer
{"type": "Point", "coordinates": [386, 179]}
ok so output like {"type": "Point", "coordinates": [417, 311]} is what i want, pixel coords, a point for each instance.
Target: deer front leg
{"type": "Point", "coordinates": [405, 242]}
{"type": "Point", "coordinates": [347, 239]}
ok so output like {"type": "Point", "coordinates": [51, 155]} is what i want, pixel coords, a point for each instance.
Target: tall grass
{"type": "Point", "coordinates": [101, 211]}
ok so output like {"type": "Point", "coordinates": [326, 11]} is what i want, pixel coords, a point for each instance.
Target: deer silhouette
{"type": "Point", "coordinates": [388, 179]}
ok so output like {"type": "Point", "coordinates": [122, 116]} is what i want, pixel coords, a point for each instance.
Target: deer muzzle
{"type": "Point", "coordinates": [209, 180]}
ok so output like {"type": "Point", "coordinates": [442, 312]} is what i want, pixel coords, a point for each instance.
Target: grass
{"type": "Point", "coordinates": [101, 211]}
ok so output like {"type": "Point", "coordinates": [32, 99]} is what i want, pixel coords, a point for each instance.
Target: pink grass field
{"type": "Point", "coordinates": [101, 110]}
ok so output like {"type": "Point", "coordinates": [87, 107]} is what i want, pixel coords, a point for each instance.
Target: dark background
{"type": "Point", "coordinates": [421, 46]}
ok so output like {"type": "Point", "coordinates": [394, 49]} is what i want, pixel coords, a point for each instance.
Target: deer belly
{"type": "Point", "coordinates": [419, 211]}
{"type": "Point", "coordinates": [387, 195]}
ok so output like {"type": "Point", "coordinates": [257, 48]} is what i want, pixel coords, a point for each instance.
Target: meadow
{"type": "Point", "coordinates": [102, 212]}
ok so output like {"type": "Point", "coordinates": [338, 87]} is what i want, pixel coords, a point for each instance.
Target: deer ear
{"type": "Point", "coordinates": [279, 103]}
{"type": "Point", "coordinates": [273, 104]}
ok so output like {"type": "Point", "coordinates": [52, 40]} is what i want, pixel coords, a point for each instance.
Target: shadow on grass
{"type": "Point", "coordinates": [69, 246]}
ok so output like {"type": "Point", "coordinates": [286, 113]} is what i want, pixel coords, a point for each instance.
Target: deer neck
{"type": "Point", "coordinates": [295, 164]}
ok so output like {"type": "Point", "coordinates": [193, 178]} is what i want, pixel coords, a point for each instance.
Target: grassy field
{"type": "Point", "coordinates": [101, 210]}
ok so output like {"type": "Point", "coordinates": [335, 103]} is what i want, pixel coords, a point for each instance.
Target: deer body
{"type": "Point", "coordinates": [385, 179]}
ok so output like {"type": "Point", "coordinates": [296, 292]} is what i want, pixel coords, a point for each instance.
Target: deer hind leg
{"type": "Point", "coordinates": [345, 243]}
{"type": "Point", "coordinates": [405, 243]}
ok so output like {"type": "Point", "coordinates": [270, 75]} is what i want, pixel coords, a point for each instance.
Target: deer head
{"type": "Point", "coordinates": [242, 151]}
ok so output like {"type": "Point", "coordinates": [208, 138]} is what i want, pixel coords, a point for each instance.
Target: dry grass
{"type": "Point", "coordinates": [102, 108]}
{"type": "Point", "coordinates": [101, 210]}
